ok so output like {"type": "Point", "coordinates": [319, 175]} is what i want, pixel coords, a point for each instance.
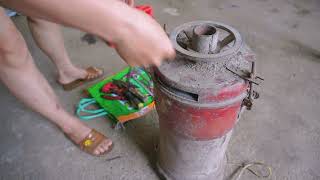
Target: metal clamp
{"type": "Point", "coordinates": [252, 79]}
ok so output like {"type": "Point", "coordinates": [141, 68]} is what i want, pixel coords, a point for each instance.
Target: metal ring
{"type": "Point", "coordinates": [195, 56]}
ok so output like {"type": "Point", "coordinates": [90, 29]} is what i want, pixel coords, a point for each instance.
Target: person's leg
{"type": "Point", "coordinates": [48, 37]}
{"type": "Point", "coordinates": [19, 73]}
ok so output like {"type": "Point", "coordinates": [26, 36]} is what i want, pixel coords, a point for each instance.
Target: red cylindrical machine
{"type": "Point", "coordinates": [199, 96]}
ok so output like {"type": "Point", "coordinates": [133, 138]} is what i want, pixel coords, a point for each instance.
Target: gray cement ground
{"type": "Point", "coordinates": [283, 129]}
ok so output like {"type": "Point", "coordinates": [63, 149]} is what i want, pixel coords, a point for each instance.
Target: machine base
{"type": "Point", "coordinates": [186, 159]}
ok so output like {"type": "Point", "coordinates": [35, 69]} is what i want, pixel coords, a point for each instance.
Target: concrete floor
{"type": "Point", "coordinates": [282, 130]}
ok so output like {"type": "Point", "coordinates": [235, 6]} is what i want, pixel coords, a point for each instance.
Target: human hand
{"type": "Point", "coordinates": [142, 41]}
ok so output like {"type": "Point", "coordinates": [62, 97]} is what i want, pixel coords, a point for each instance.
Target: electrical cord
{"type": "Point", "coordinates": [248, 167]}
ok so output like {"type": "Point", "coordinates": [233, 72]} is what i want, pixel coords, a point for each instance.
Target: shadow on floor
{"type": "Point", "coordinates": [145, 133]}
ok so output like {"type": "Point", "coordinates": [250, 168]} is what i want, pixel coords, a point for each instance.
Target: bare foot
{"type": "Point", "coordinates": [69, 74]}
{"type": "Point", "coordinates": [78, 131]}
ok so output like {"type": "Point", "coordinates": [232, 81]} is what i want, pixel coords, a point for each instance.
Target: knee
{"type": "Point", "coordinates": [35, 21]}
{"type": "Point", "coordinates": [39, 23]}
{"type": "Point", "coordinates": [13, 49]}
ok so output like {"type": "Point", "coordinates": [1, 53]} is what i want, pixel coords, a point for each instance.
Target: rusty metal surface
{"type": "Point", "coordinates": [187, 30]}
{"type": "Point", "coordinates": [199, 98]}
{"type": "Point", "coordinates": [237, 95]}
{"type": "Point", "coordinates": [252, 79]}
{"type": "Point", "coordinates": [204, 39]}
{"type": "Point", "coordinates": [199, 73]}
{"type": "Point", "coordinates": [195, 121]}
{"type": "Point", "coordinates": [185, 159]}
{"type": "Point", "coordinates": [202, 79]}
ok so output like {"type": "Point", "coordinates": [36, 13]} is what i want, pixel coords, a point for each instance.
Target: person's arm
{"type": "Point", "coordinates": [138, 38]}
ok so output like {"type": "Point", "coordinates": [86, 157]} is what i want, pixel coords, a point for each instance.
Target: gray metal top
{"type": "Point", "coordinates": [187, 30]}
{"type": "Point", "coordinates": [196, 72]}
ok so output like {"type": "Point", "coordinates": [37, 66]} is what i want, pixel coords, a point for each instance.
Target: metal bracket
{"type": "Point", "coordinates": [252, 79]}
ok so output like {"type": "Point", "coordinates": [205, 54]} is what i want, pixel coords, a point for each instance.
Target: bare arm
{"type": "Point", "coordinates": [138, 38]}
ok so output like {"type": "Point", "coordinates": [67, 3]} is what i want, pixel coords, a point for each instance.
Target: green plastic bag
{"type": "Point", "coordinates": [116, 110]}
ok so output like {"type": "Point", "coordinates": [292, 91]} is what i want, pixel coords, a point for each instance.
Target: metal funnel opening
{"type": "Point", "coordinates": [205, 30]}
{"type": "Point", "coordinates": [204, 39]}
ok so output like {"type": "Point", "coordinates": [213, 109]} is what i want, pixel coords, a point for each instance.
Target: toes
{"type": "Point", "coordinates": [99, 150]}
{"type": "Point", "coordinates": [91, 76]}
{"type": "Point", "coordinates": [106, 145]}
{"type": "Point", "coordinates": [103, 147]}
{"type": "Point", "coordinates": [95, 143]}
{"type": "Point", "coordinates": [108, 142]}
{"type": "Point", "coordinates": [98, 71]}
{"type": "Point", "coordinates": [96, 151]}
{"type": "Point", "coordinates": [94, 73]}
